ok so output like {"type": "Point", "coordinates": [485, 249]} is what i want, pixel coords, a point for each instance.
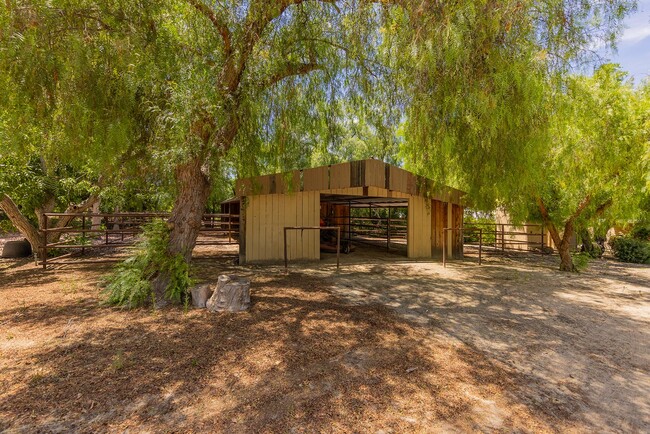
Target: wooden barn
{"type": "Point", "coordinates": [373, 203]}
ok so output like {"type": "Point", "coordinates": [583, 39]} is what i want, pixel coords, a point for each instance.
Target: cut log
{"type": "Point", "coordinates": [232, 294]}
{"type": "Point", "coordinates": [200, 294]}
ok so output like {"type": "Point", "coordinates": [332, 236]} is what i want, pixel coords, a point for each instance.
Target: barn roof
{"type": "Point", "coordinates": [361, 173]}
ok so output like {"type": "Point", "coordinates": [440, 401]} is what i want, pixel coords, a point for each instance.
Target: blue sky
{"type": "Point", "coordinates": [633, 50]}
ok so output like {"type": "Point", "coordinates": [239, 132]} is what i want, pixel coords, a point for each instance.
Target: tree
{"type": "Point", "coordinates": [593, 167]}
{"type": "Point", "coordinates": [499, 133]}
{"type": "Point", "coordinates": [258, 57]}
{"type": "Point", "coordinates": [69, 107]}
{"type": "Point", "coordinates": [222, 81]}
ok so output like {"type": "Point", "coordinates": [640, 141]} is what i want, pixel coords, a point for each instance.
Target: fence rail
{"type": "Point", "coordinates": [501, 237]}
{"type": "Point", "coordinates": [109, 230]}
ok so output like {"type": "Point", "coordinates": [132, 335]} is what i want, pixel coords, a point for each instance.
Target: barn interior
{"type": "Point", "coordinates": [367, 223]}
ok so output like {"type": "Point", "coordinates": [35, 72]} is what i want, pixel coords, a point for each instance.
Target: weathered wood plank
{"type": "Point", "coordinates": [316, 179]}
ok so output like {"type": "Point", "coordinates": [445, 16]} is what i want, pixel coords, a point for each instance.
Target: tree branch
{"type": "Point", "coordinates": [291, 69]}
{"type": "Point", "coordinates": [21, 223]}
{"type": "Point", "coordinates": [581, 207]}
{"type": "Point", "coordinates": [217, 22]}
{"type": "Point", "coordinates": [254, 26]}
{"type": "Point", "coordinates": [548, 222]}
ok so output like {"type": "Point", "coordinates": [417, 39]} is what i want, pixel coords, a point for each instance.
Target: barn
{"type": "Point", "coordinates": [374, 204]}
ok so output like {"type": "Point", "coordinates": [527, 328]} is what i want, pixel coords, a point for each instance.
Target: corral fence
{"type": "Point", "coordinates": [110, 230]}
{"type": "Point", "coordinates": [500, 237]}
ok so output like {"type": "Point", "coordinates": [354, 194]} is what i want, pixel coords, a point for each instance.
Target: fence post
{"type": "Point", "coordinates": [338, 245]}
{"type": "Point", "coordinates": [83, 233]}
{"type": "Point", "coordinates": [503, 238]}
{"type": "Point", "coordinates": [480, 245]}
{"type": "Point", "coordinates": [444, 245]}
{"type": "Point", "coordinates": [286, 262]}
{"type": "Point", "coordinates": [44, 241]}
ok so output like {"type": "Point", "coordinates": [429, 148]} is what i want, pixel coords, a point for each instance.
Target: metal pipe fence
{"type": "Point", "coordinates": [503, 237]}
{"type": "Point", "coordinates": [110, 230]}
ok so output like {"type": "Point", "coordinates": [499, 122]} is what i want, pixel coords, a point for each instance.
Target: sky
{"type": "Point", "coordinates": [633, 48]}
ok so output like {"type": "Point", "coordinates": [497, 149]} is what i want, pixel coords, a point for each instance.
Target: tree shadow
{"type": "Point", "coordinates": [576, 356]}
{"type": "Point", "coordinates": [301, 359]}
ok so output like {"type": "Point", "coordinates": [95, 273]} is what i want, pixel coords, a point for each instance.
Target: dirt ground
{"type": "Point", "coordinates": [383, 345]}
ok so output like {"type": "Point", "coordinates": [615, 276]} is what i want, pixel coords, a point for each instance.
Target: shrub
{"type": "Point", "coordinates": [641, 232]}
{"type": "Point", "coordinates": [629, 249]}
{"type": "Point", "coordinates": [581, 260]}
{"type": "Point", "coordinates": [6, 227]}
{"type": "Point", "coordinates": [130, 283]}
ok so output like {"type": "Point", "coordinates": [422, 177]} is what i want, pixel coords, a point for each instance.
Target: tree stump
{"type": "Point", "coordinates": [200, 294]}
{"type": "Point", "coordinates": [232, 294]}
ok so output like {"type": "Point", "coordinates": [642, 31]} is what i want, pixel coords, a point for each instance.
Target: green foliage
{"type": "Point", "coordinates": [130, 283]}
{"type": "Point", "coordinates": [5, 226]}
{"type": "Point", "coordinates": [629, 249]}
{"type": "Point", "coordinates": [641, 232]}
{"type": "Point", "coordinates": [581, 260]}
{"type": "Point", "coordinates": [483, 221]}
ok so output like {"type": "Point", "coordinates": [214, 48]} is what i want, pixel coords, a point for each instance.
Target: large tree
{"type": "Point", "coordinates": [593, 165]}
{"type": "Point", "coordinates": [522, 130]}
{"type": "Point", "coordinates": [228, 80]}
{"type": "Point", "coordinates": [68, 108]}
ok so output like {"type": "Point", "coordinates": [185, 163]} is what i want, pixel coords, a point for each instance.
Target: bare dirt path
{"type": "Point", "coordinates": [376, 347]}
{"type": "Point", "coordinates": [577, 345]}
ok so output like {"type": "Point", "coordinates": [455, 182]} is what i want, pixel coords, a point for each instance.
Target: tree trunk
{"type": "Point", "coordinates": [566, 261]}
{"type": "Point", "coordinates": [21, 223]}
{"type": "Point", "coordinates": [185, 219]}
{"type": "Point", "coordinates": [562, 244]}
{"type": "Point", "coordinates": [64, 221]}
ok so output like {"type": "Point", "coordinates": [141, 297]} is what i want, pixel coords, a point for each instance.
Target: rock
{"type": "Point", "coordinates": [200, 294]}
{"type": "Point", "coordinates": [17, 249]}
{"type": "Point", "coordinates": [232, 294]}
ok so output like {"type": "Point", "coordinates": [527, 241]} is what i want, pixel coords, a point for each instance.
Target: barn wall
{"type": "Point", "coordinates": [418, 234]}
{"type": "Point", "coordinates": [266, 217]}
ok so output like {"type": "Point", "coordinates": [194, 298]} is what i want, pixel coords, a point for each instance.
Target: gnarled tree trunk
{"type": "Point", "coordinates": [563, 243]}
{"type": "Point", "coordinates": [21, 223]}
{"type": "Point", "coordinates": [34, 234]}
{"type": "Point", "coordinates": [185, 219]}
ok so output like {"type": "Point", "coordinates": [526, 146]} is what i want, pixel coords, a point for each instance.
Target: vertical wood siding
{"type": "Point", "coordinates": [266, 217]}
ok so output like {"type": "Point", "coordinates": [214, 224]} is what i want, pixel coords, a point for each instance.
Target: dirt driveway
{"type": "Point", "coordinates": [379, 346]}
{"type": "Point", "coordinates": [577, 345]}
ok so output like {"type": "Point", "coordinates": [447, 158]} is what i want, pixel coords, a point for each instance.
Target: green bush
{"type": "Point", "coordinates": [130, 284]}
{"type": "Point", "coordinates": [629, 249]}
{"type": "Point", "coordinates": [581, 260]}
{"type": "Point", "coordinates": [641, 232]}
{"type": "Point", "coordinates": [6, 227]}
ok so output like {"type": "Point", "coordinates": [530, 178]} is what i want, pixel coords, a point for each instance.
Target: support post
{"type": "Point", "coordinates": [480, 245]}
{"type": "Point", "coordinates": [83, 233]}
{"type": "Point", "coordinates": [338, 246]}
{"type": "Point", "coordinates": [349, 221]}
{"type": "Point", "coordinates": [286, 262]}
{"type": "Point", "coordinates": [388, 230]}
{"type": "Point", "coordinates": [444, 247]}
{"type": "Point", "coordinates": [44, 241]}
